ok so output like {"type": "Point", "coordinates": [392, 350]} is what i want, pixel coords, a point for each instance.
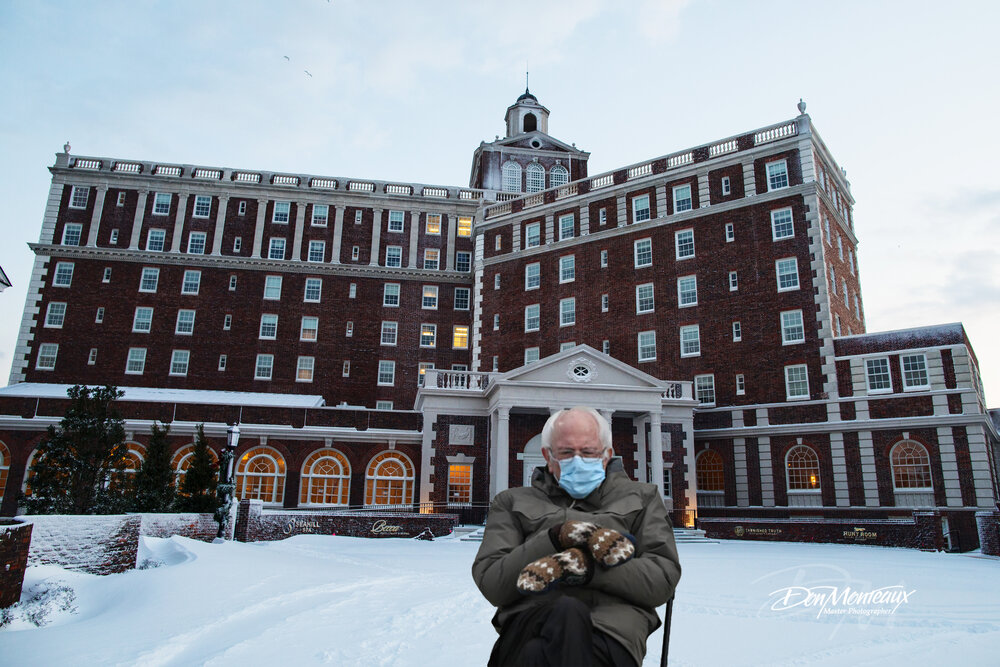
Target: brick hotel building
{"type": "Point", "coordinates": [387, 343]}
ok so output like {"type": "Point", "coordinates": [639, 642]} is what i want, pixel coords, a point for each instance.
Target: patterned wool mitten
{"type": "Point", "coordinates": [571, 567]}
{"type": "Point", "coordinates": [608, 547]}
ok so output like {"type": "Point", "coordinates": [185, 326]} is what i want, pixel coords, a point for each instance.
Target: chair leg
{"type": "Point", "coordinates": [666, 632]}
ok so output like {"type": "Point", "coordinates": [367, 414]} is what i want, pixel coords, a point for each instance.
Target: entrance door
{"type": "Point", "coordinates": [532, 458]}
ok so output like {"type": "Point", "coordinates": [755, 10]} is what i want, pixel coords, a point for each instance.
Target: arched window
{"type": "Point", "coordinates": [536, 177]}
{"type": "Point", "coordinates": [29, 473]}
{"type": "Point", "coordinates": [530, 122]}
{"type": "Point", "coordinates": [326, 479]}
{"type": "Point", "coordinates": [260, 475]}
{"type": "Point", "coordinates": [181, 461]}
{"type": "Point", "coordinates": [911, 474]}
{"type": "Point", "coordinates": [711, 479]}
{"type": "Point", "coordinates": [389, 480]}
{"type": "Point", "coordinates": [511, 176]}
{"type": "Point", "coordinates": [4, 467]}
{"type": "Point", "coordinates": [558, 175]}
{"type": "Point", "coordinates": [802, 476]}
{"type": "Point", "coordinates": [133, 461]}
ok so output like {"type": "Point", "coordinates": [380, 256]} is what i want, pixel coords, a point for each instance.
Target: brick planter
{"type": "Point", "coordinates": [85, 543]}
{"type": "Point", "coordinates": [988, 524]}
{"type": "Point", "coordinates": [15, 541]}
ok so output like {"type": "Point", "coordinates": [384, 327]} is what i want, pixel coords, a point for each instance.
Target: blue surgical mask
{"type": "Point", "coordinates": [579, 476]}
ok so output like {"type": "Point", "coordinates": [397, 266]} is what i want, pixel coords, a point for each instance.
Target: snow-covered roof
{"type": "Point", "coordinates": [163, 395]}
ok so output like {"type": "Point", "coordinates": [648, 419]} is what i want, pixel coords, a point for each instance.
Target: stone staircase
{"type": "Point", "coordinates": [686, 535]}
{"type": "Point", "coordinates": [470, 533]}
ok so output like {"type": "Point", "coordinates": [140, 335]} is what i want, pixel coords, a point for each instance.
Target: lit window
{"type": "Point", "coordinates": [320, 215]}
{"type": "Point", "coordinates": [149, 280]}
{"type": "Point", "coordinates": [282, 212]}
{"type": "Point", "coordinates": [46, 360]}
{"type": "Point", "coordinates": [431, 256]}
{"type": "Point", "coordinates": [734, 281]}
{"type": "Point", "coordinates": [532, 235]}
{"type": "Point", "coordinates": [792, 328]}
{"type": "Point", "coordinates": [460, 338]}
{"type": "Point", "coordinates": [567, 269]}
{"type": "Point", "coordinates": [532, 317]}
{"type": "Point", "coordinates": [782, 226]}
{"type": "Point", "coordinates": [684, 243]}
{"type": "Point", "coordinates": [393, 256]}
{"type": "Point", "coordinates": [643, 252]}
{"type": "Point", "coordinates": [55, 315]}
{"type": "Point", "coordinates": [317, 251]}
{"type": "Point", "coordinates": [260, 475]}
{"type": "Point", "coordinates": [155, 240]}
{"type": "Point", "coordinates": [142, 322]}
{"type": "Point", "coordinates": [325, 480]}
{"type": "Point", "coordinates": [268, 326]}
{"type": "Point", "coordinates": [535, 177]}
{"type": "Point", "coordinates": [690, 341]}
{"type": "Point", "coordinates": [726, 189]}
{"type": "Point", "coordinates": [389, 479]}
{"type": "Point", "coordinates": [511, 176]}
{"type": "Point", "coordinates": [463, 261]}
{"type": "Point", "coordinates": [272, 288]}
{"type": "Point", "coordinates": [276, 250]}
{"type": "Point", "coordinates": [796, 381]}
{"type": "Point", "coordinates": [136, 363]}
{"type": "Point", "coordinates": [567, 312]}
{"type": "Point", "coordinates": [310, 328]}
{"type": "Point", "coordinates": [79, 196]}
{"type": "Point", "coordinates": [704, 389]}
{"type": "Point", "coordinates": [566, 224]}
{"type": "Point", "coordinates": [390, 295]}
{"type": "Point", "coordinates": [386, 372]}
{"type": "Point", "coordinates": [396, 221]}
{"type": "Point", "coordinates": [428, 335]}
{"type": "Point", "coordinates": [314, 290]}
{"type": "Point", "coordinates": [304, 369]}
{"type": "Point", "coordinates": [687, 291]}
{"type": "Point", "coordinates": [911, 467]}
{"type": "Point", "coordinates": [264, 367]}
{"type": "Point", "coordinates": [179, 362]}
{"type": "Point", "coordinates": [389, 330]}
{"type": "Point", "coordinates": [497, 242]}
{"type": "Point", "coordinates": [647, 346]}
{"type": "Point", "coordinates": [914, 372]}
{"type": "Point", "coordinates": [530, 355]}
{"type": "Point", "coordinates": [644, 298]}
{"type": "Point", "coordinates": [196, 243]}
{"type": "Point", "coordinates": [433, 224]}
{"type": "Point", "coordinates": [802, 469]}
{"type": "Point", "coordinates": [72, 233]}
{"type": "Point", "coordinates": [422, 369]}
{"type": "Point", "coordinates": [430, 298]}
{"type": "Point", "coordinates": [465, 226]}
{"type": "Point", "coordinates": [121, 198]}
{"type": "Point", "coordinates": [161, 203]}
{"type": "Point", "coordinates": [532, 276]}
{"type": "Point", "coordinates": [459, 484]}
{"type": "Point", "coordinates": [202, 206]}
{"type": "Point", "coordinates": [63, 276]}
{"type": "Point", "coordinates": [777, 175]}
{"type": "Point", "coordinates": [185, 322]}
{"type": "Point", "coordinates": [877, 372]}
{"type": "Point", "coordinates": [787, 272]}
{"type": "Point", "coordinates": [737, 332]}
{"type": "Point", "coordinates": [682, 198]}
{"type": "Point", "coordinates": [191, 283]}
{"type": "Point", "coordinates": [462, 298]}
{"type": "Point", "coordinates": [640, 208]}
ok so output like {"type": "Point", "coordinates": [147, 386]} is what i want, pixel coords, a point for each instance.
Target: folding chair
{"type": "Point", "coordinates": [666, 632]}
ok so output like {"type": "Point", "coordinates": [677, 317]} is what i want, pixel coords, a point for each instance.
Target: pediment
{"type": "Point", "coordinates": [537, 141]}
{"type": "Point", "coordinates": [581, 366]}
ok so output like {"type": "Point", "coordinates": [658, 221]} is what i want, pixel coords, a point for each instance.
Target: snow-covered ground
{"type": "Point", "coordinates": [313, 600]}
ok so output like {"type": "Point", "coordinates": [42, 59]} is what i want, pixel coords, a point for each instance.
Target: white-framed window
{"type": "Point", "coordinates": [532, 317]}
{"type": "Point", "coordinates": [605, 303]}
{"type": "Point", "coordinates": [55, 315]}
{"type": "Point", "coordinates": [911, 472]}
{"type": "Point", "coordinates": [63, 275]}
{"type": "Point", "coordinates": [741, 386]}
{"type": "Point", "coordinates": [386, 373]}
{"type": "Point", "coordinates": [191, 283]}
{"type": "Point", "coordinates": [833, 280]}
{"type": "Point", "coordinates": [268, 326]}
{"type": "Point", "coordinates": [642, 251]}
{"type": "Point", "coordinates": [196, 243]}
{"type": "Point", "coordinates": [422, 369]}
{"type": "Point", "coordinates": [282, 212]}
{"type": "Point", "coordinates": [428, 335]}
{"type": "Point", "coordinates": [46, 359]}
{"type": "Point", "coordinates": [185, 322]}
{"type": "Point", "coordinates": [511, 176]}
{"type": "Point", "coordinates": [566, 223]}
{"type": "Point", "coordinates": [429, 301]}
{"type": "Point", "coordinates": [640, 208]}
{"type": "Point", "coordinates": [352, 291]}
{"type": "Point", "coordinates": [532, 276]}
{"type": "Point", "coordinates": [313, 291]}
{"type": "Point", "coordinates": [113, 239]}
{"type": "Point", "coordinates": [389, 331]}
{"type": "Point", "coordinates": [558, 175]}
{"type": "Point", "coordinates": [604, 259]}
{"type": "Point", "coordinates": [535, 177]}
{"type": "Point", "coordinates": [149, 280]}
{"type": "Point", "coordinates": [121, 198]}
{"type": "Point", "coordinates": [730, 232]}
{"type": "Point", "coordinates": [272, 288]}
{"type": "Point", "coordinates": [786, 270]}
{"type": "Point", "coordinates": [726, 187]}
{"type": "Point", "coordinates": [682, 198]}
{"type": "Point", "coordinates": [383, 405]}
{"type": "Point", "coordinates": [644, 301]}
{"type": "Point", "coordinates": [264, 367]}
{"type": "Point", "coordinates": [99, 317]}
{"type": "Point", "coordinates": [606, 346]}
{"type": "Point", "coordinates": [161, 203]}
{"type": "Point", "coordinates": [237, 244]}
{"type": "Point", "coordinates": [79, 196]}
{"type": "Point", "coordinates": [390, 295]}
{"type": "Point", "coordinates": [357, 216]}
{"type": "Point", "coordinates": [602, 216]}
{"type": "Point", "coordinates": [777, 175]}
{"type": "Point", "coordinates": [227, 322]}
{"type": "Point", "coordinates": [394, 256]}
{"type": "Point", "coordinates": [309, 331]}
{"type": "Point", "coordinates": [136, 361]}
{"type": "Point", "coordinates": [320, 215]}
{"type": "Point", "coordinates": [792, 329]}
{"type": "Point", "coordinates": [396, 221]}
{"type": "Point", "coordinates": [690, 341]}
{"type": "Point", "coordinates": [496, 281]}
{"type": "Point", "coordinates": [782, 226]}
{"type": "Point", "coordinates": [837, 328]}
{"type": "Point", "coordinates": [734, 281]}
{"type": "Point", "coordinates": [846, 294]}
{"type": "Point", "coordinates": [350, 329]}
{"type": "Point", "coordinates": [460, 483]}
{"type": "Point", "coordinates": [840, 247]}
{"type": "Point", "coordinates": [155, 240]}
{"type": "Point", "coordinates": [567, 311]}
{"type": "Point", "coordinates": [704, 389]}
{"type": "Point", "coordinates": [142, 321]}
{"type": "Point", "coordinates": [462, 298]}
{"type": "Point", "coordinates": [567, 269]}
{"type": "Point", "coordinates": [317, 251]}
{"type": "Point", "coordinates": [460, 337]}
{"type": "Point", "coordinates": [737, 332]}
{"type": "Point", "coordinates": [687, 291]}
{"type": "Point", "coordinates": [497, 242]}
{"type": "Point", "coordinates": [202, 206]}
{"type": "Point", "coordinates": [566, 346]}
{"type": "Point", "coordinates": [878, 376]}
{"type": "Point", "coordinates": [914, 372]}
{"type": "Point", "coordinates": [305, 369]}
{"type": "Point", "coordinates": [242, 208]}
{"type": "Point", "coordinates": [179, 362]}
{"type": "Point", "coordinates": [802, 469]}
{"type": "Point", "coordinates": [92, 356]}
{"type": "Point", "coordinates": [684, 243]}
{"type": "Point", "coordinates": [106, 278]}
{"type": "Point", "coordinates": [232, 283]}
{"type": "Point", "coordinates": [346, 369]}
{"type": "Point", "coordinates": [496, 322]}
{"type": "Point", "coordinates": [355, 253]}
{"type": "Point", "coordinates": [71, 233]}
{"type": "Point", "coordinates": [276, 249]}
{"type": "Point", "coordinates": [647, 346]}
{"type": "Point", "coordinates": [796, 382]}
{"type": "Point", "coordinates": [463, 261]}
{"type": "Point", "coordinates": [464, 226]}
{"type": "Point", "coordinates": [533, 235]}
{"type": "Point", "coordinates": [530, 355]}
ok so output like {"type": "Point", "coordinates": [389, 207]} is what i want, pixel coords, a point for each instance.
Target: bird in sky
{"type": "Point", "coordinates": [307, 73]}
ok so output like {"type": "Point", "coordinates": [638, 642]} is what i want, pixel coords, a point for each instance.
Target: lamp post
{"type": "Point", "coordinates": [226, 485]}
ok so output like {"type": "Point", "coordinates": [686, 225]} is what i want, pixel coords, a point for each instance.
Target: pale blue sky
{"type": "Point", "coordinates": [905, 94]}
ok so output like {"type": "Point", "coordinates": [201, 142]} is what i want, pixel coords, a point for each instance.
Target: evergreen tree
{"type": "Point", "coordinates": [78, 467]}
{"type": "Point", "coordinates": [197, 489]}
{"type": "Point", "coordinates": [154, 483]}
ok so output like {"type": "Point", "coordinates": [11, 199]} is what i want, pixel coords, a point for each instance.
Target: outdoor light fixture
{"type": "Point", "coordinates": [226, 485]}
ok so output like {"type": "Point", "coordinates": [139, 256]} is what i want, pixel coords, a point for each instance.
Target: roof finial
{"type": "Point", "coordinates": [802, 106]}
{"type": "Point", "coordinates": [526, 91]}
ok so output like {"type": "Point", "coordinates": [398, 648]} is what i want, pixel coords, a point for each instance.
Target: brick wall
{"type": "Point", "coordinates": [15, 541]}
{"type": "Point", "coordinates": [202, 527]}
{"type": "Point", "coordinates": [988, 524]}
{"type": "Point", "coordinates": [93, 544]}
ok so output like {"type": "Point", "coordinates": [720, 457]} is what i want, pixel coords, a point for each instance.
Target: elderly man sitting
{"type": "Point", "coordinates": [576, 563]}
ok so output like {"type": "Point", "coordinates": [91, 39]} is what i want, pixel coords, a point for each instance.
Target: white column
{"type": "Point", "coordinates": [376, 236]}
{"type": "Point", "coordinates": [949, 466]}
{"type": "Point", "coordinates": [300, 219]}
{"type": "Point", "coordinates": [220, 225]}
{"type": "Point", "coordinates": [704, 197]}
{"type": "Point", "coordinates": [175, 241]}
{"type": "Point", "coordinates": [622, 211]}
{"type": "Point", "coordinates": [258, 231]}
{"type": "Point", "coordinates": [661, 201]}
{"type": "Point", "coordinates": [414, 232]}
{"type": "Point", "coordinates": [868, 477]}
{"type": "Point", "coordinates": [449, 261]}
{"type": "Point", "coordinates": [838, 460]}
{"type": "Point", "coordinates": [500, 466]}
{"type": "Point", "coordinates": [584, 220]}
{"type": "Point", "coordinates": [749, 180]}
{"type": "Point", "coordinates": [550, 228]}
{"type": "Point", "coordinates": [766, 471]}
{"type": "Point", "coordinates": [740, 466]}
{"type": "Point", "coordinates": [426, 458]}
{"type": "Point", "coordinates": [656, 453]}
{"type": "Point", "coordinates": [95, 219]}
{"type": "Point", "coordinates": [338, 233]}
{"type": "Point", "coordinates": [641, 447]}
{"type": "Point", "coordinates": [140, 209]}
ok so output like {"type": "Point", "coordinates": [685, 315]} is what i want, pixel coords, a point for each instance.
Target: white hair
{"type": "Point", "coordinates": [603, 427]}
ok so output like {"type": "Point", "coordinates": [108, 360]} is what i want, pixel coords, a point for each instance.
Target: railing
{"type": "Point", "coordinates": [280, 179]}
{"type": "Point", "coordinates": [567, 191]}
{"type": "Point", "coordinates": [81, 163]}
{"type": "Point", "coordinates": [165, 170]}
{"type": "Point", "coordinates": [464, 380]}
{"type": "Point", "coordinates": [722, 148]}
{"type": "Point", "coordinates": [534, 200]}
{"type": "Point", "coordinates": [246, 177]}
{"type": "Point", "coordinates": [775, 133]}
{"type": "Point", "coordinates": [499, 209]}
{"type": "Point", "coordinates": [602, 181]}
{"type": "Point", "coordinates": [395, 189]}
{"type": "Point", "coordinates": [324, 183]}
{"type": "Point", "coordinates": [436, 192]}
{"type": "Point", "coordinates": [128, 167]}
{"type": "Point", "coordinates": [508, 196]}
{"type": "Point", "coordinates": [468, 194]}
{"type": "Point", "coordinates": [360, 186]}
{"type": "Point", "coordinates": [208, 174]}
{"type": "Point", "coordinates": [641, 170]}
{"type": "Point", "coordinates": [680, 159]}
